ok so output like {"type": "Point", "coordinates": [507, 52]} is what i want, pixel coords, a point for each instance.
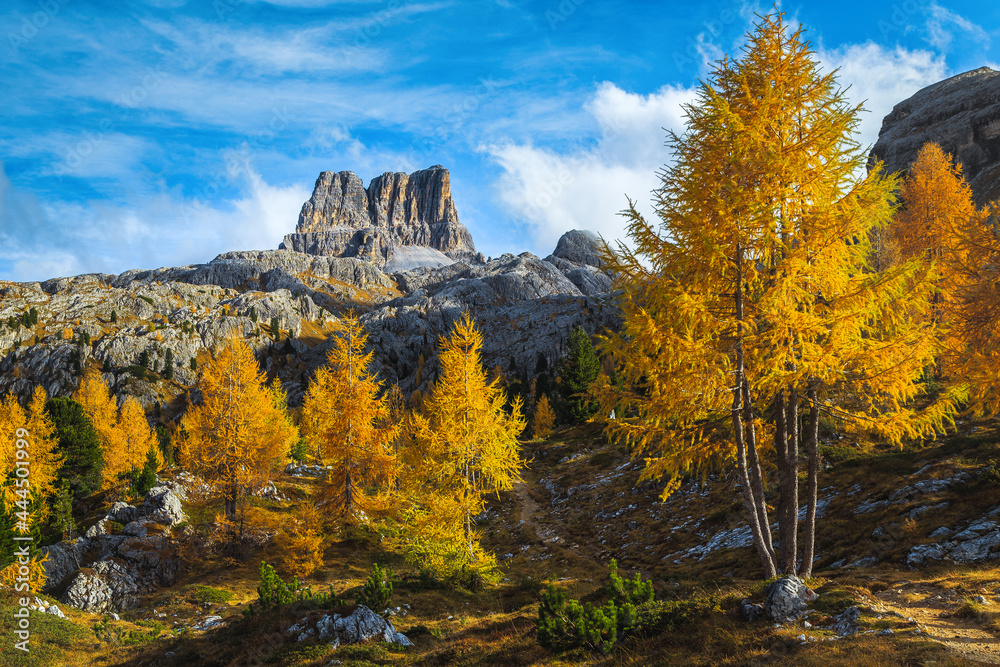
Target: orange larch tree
{"type": "Point", "coordinates": [754, 300]}
{"type": "Point", "coordinates": [466, 445]}
{"type": "Point", "coordinates": [239, 432]}
{"type": "Point", "coordinates": [346, 423]}
{"type": "Point", "coordinates": [102, 410]}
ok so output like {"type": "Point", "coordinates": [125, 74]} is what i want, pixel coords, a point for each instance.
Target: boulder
{"type": "Point", "coordinates": [107, 586]}
{"type": "Point", "coordinates": [64, 558]}
{"type": "Point", "coordinates": [751, 612]}
{"type": "Point", "coordinates": [360, 626]}
{"type": "Point", "coordinates": [122, 513]}
{"type": "Point", "coordinates": [108, 572]}
{"type": "Point", "coordinates": [163, 504]}
{"type": "Point", "coordinates": [846, 624]}
{"type": "Point", "coordinates": [787, 599]}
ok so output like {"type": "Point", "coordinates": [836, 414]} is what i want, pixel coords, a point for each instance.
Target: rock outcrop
{"type": "Point", "coordinates": [975, 543]}
{"type": "Point", "coordinates": [962, 114]}
{"type": "Point", "coordinates": [107, 568]}
{"type": "Point", "coordinates": [578, 256]}
{"type": "Point", "coordinates": [361, 625]}
{"type": "Point", "coordinates": [284, 304]}
{"type": "Point", "coordinates": [344, 219]}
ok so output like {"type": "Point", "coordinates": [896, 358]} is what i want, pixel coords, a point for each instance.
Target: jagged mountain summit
{"type": "Point", "coordinates": [399, 221]}
{"type": "Point", "coordinates": [395, 253]}
{"type": "Point", "coordinates": [962, 114]}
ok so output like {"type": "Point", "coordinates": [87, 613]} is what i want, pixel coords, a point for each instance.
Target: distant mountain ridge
{"type": "Point", "coordinates": [395, 253]}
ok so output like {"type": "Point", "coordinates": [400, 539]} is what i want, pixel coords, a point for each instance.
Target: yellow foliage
{"type": "Point", "coordinates": [544, 420]}
{"type": "Point", "coordinates": [36, 574]}
{"type": "Point", "coordinates": [465, 446]}
{"type": "Point", "coordinates": [300, 541]}
{"type": "Point", "coordinates": [416, 401]}
{"type": "Point", "coordinates": [135, 436]}
{"type": "Point", "coordinates": [749, 281]}
{"type": "Point", "coordinates": [41, 452]}
{"type": "Point", "coordinates": [957, 247]}
{"type": "Point", "coordinates": [67, 334]}
{"type": "Point", "coordinates": [124, 432]}
{"type": "Point", "coordinates": [753, 290]}
{"type": "Point", "coordinates": [240, 431]}
{"type": "Point", "coordinates": [102, 410]}
{"type": "Point", "coordinates": [346, 423]}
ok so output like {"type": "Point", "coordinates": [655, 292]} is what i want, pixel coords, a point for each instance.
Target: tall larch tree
{"type": "Point", "coordinates": [239, 432]}
{"type": "Point", "coordinates": [102, 411]}
{"type": "Point", "coordinates": [753, 300]}
{"type": "Point", "coordinates": [42, 451]}
{"type": "Point", "coordinates": [346, 420]}
{"type": "Point", "coordinates": [469, 446]}
{"type": "Point", "coordinates": [136, 437]}
{"type": "Point", "coordinates": [936, 210]}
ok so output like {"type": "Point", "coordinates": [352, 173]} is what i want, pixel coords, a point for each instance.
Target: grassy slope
{"type": "Point", "coordinates": [605, 515]}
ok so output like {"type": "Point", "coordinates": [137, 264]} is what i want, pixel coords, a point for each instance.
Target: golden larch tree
{"type": "Point", "coordinates": [300, 541]}
{"type": "Point", "coordinates": [935, 205]}
{"type": "Point", "coordinates": [932, 227]}
{"type": "Point", "coordinates": [239, 432]}
{"type": "Point", "coordinates": [544, 419]}
{"type": "Point", "coordinates": [42, 452]}
{"type": "Point", "coordinates": [347, 425]}
{"type": "Point", "coordinates": [754, 299]}
{"type": "Point", "coordinates": [468, 440]}
{"type": "Point", "coordinates": [136, 436]}
{"type": "Point", "coordinates": [102, 410]}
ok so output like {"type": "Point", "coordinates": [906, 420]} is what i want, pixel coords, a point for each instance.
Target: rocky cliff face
{"type": "Point", "coordinates": [344, 219]}
{"type": "Point", "coordinates": [962, 114]}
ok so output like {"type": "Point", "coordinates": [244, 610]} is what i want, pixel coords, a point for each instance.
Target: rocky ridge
{"type": "Point", "coordinates": [526, 306]}
{"type": "Point", "coordinates": [962, 114]}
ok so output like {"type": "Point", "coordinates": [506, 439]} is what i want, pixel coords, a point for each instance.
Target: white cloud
{"type": "Point", "coordinates": [944, 23]}
{"type": "Point", "coordinates": [42, 241]}
{"type": "Point", "coordinates": [553, 191]}
{"type": "Point", "coordinates": [880, 78]}
{"type": "Point", "coordinates": [586, 188]}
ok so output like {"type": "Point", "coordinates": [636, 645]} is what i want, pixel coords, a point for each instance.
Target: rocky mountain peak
{"type": "Point", "coordinates": [962, 114]}
{"type": "Point", "coordinates": [345, 219]}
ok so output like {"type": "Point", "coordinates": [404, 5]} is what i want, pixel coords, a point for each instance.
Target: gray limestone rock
{"type": "Point", "coordinates": [360, 626]}
{"type": "Point", "coordinates": [108, 586]}
{"type": "Point", "coordinates": [580, 247]}
{"type": "Point", "coordinates": [344, 219]}
{"type": "Point", "coordinates": [751, 612]}
{"type": "Point", "coordinates": [846, 624]}
{"type": "Point", "coordinates": [108, 572]}
{"type": "Point", "coordinates": [962, 114]}
{"type": "Point", "coordinates": [787, 599]}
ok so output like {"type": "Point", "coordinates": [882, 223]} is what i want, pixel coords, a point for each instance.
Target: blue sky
{"type": "Point", "coordinates": [166, 132]}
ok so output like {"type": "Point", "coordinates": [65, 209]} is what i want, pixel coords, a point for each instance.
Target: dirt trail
{"type": "Point", "coordinates": [546, 529]}
{"type": "Point", "coordinates": [932, 608]}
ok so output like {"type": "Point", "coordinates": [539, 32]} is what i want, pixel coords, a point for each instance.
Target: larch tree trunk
{"type": "Point", "coordinates": [756, 475]}
{"type": "Point", "coordinates": [789, 547]}
{"type": "Point", "coordinates": [752, 502]}
{"type": "Point", "coordinates": [812, 484]}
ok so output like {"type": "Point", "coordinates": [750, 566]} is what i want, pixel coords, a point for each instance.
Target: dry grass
{"type": "Point", "coordinates": [605, 514]}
